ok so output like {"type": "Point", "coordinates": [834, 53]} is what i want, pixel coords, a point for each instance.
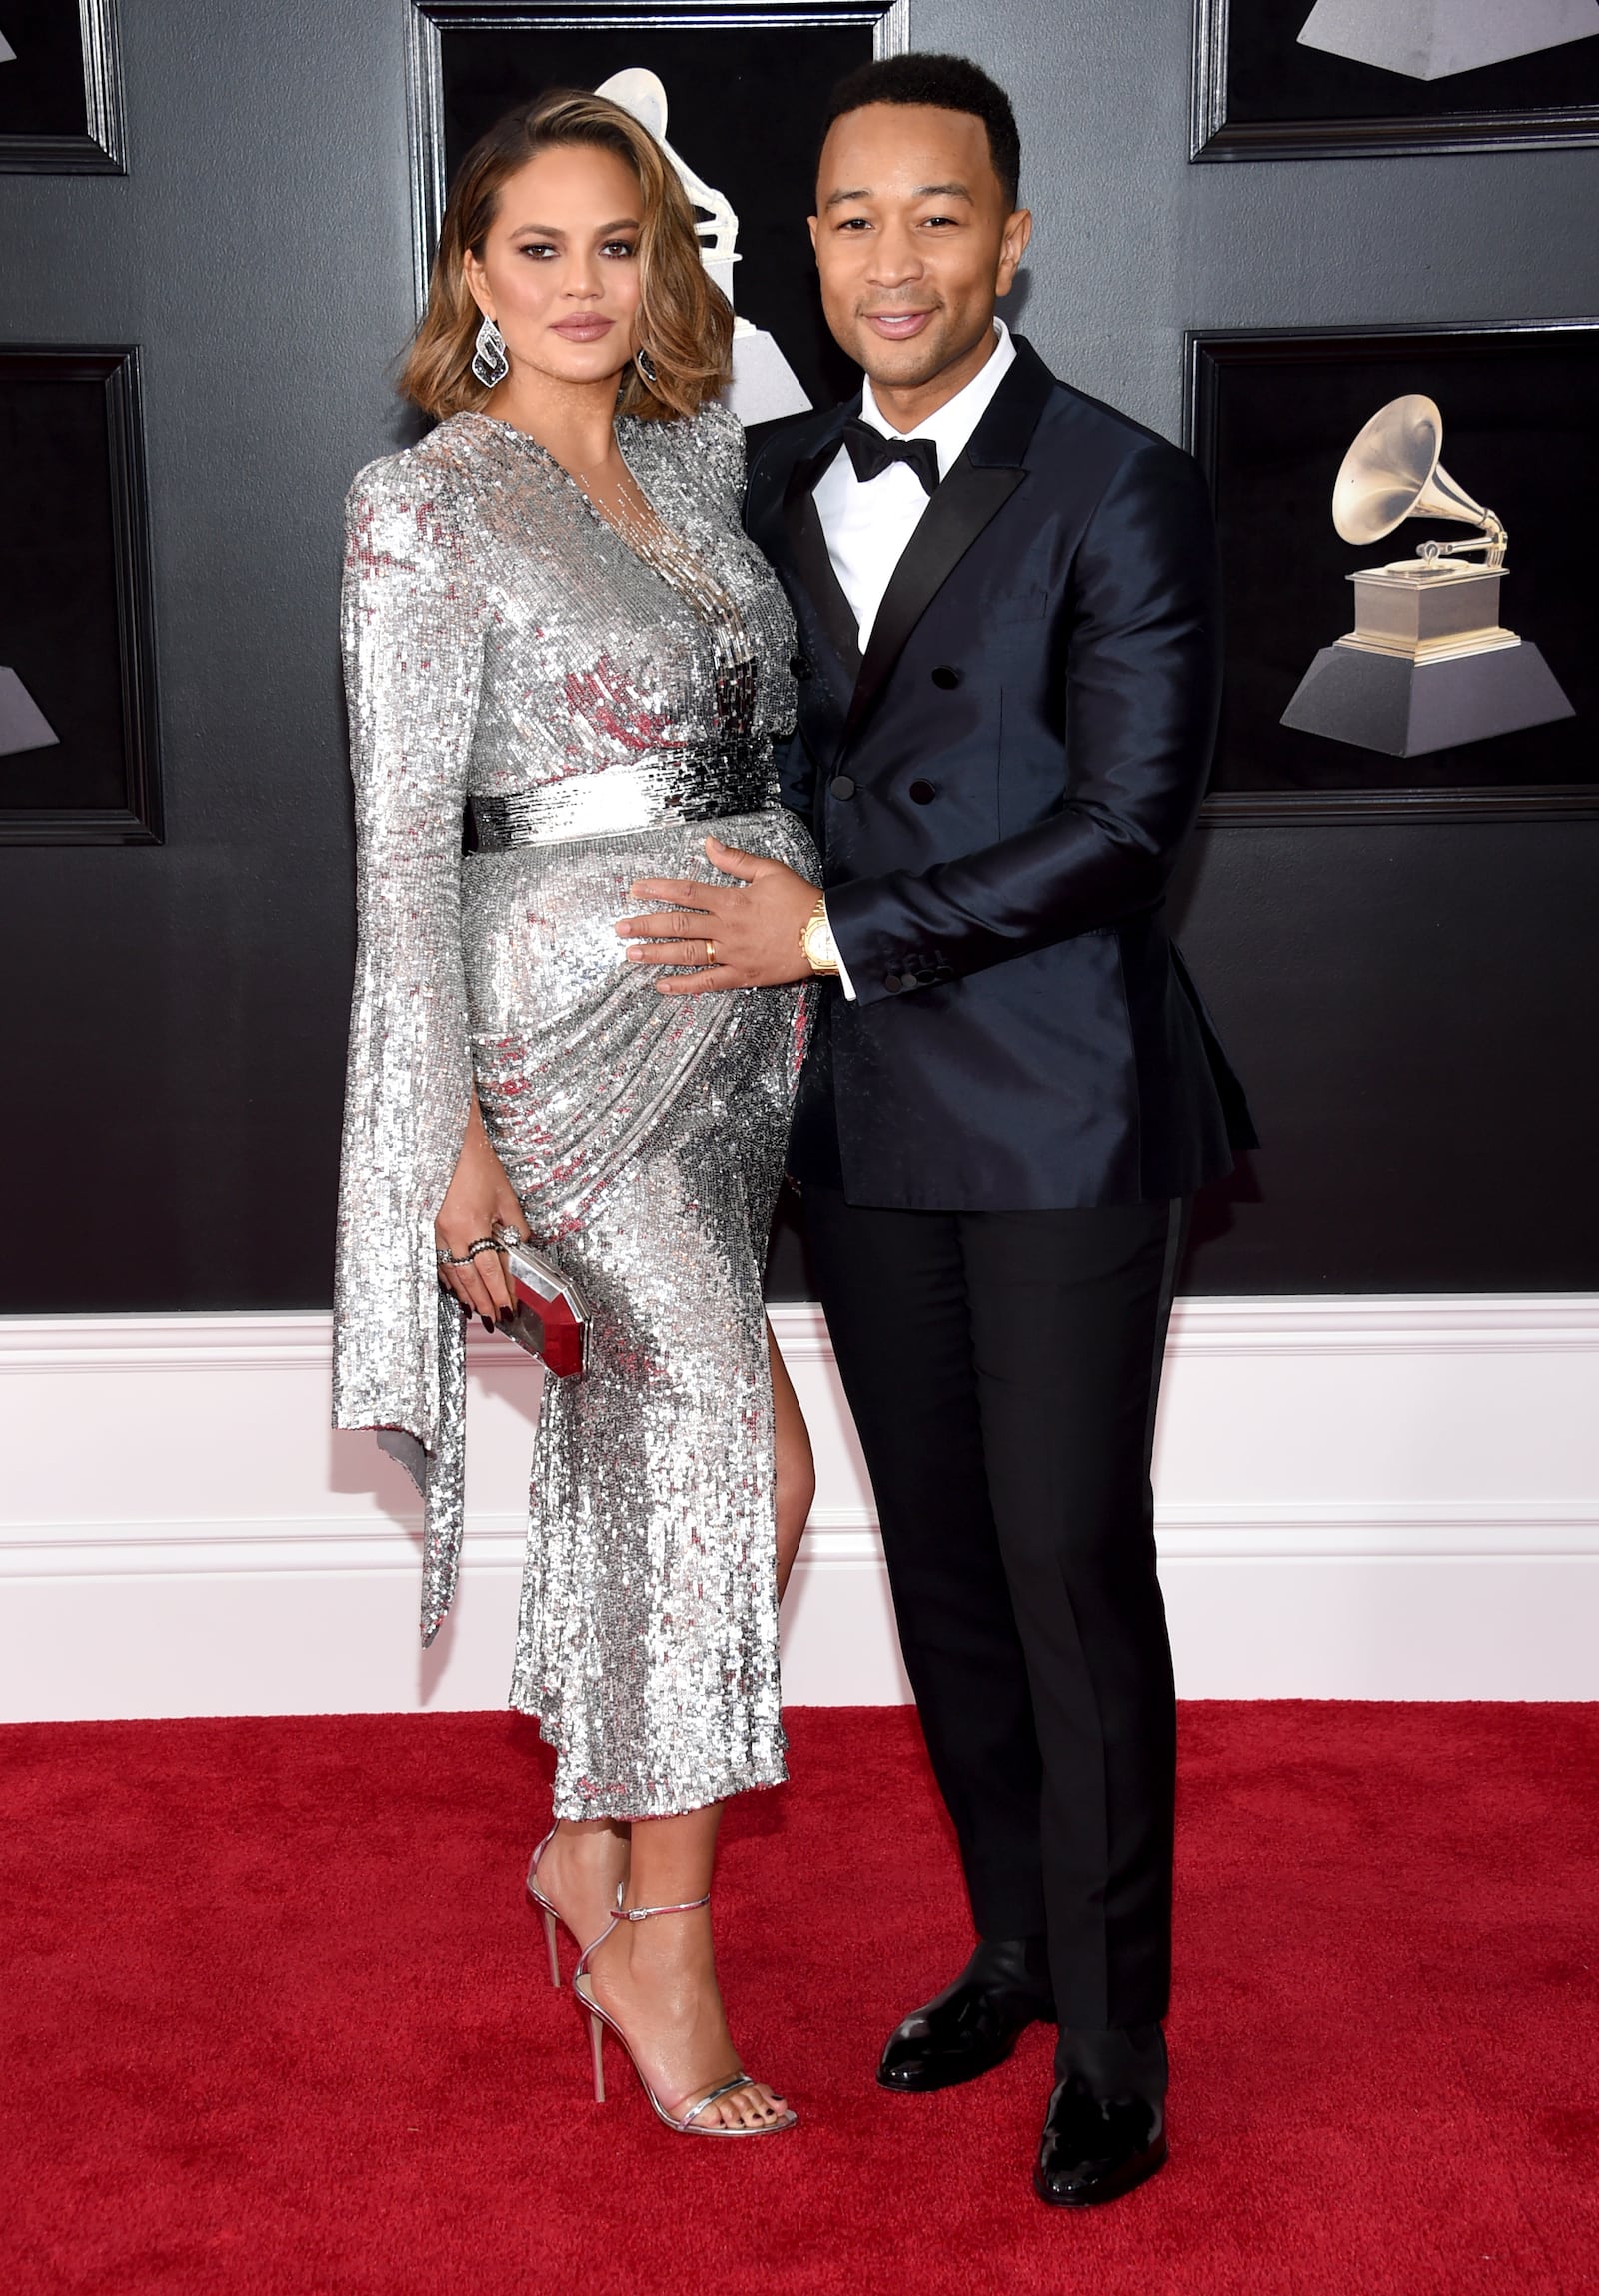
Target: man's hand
{"type": "Point", "coordinates": [744, 936]}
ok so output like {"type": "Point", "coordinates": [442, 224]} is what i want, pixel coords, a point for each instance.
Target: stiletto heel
{"type": "Point", "coordinates": [686, 2121]}
{"type": "Point", "coordinates": [550, 1917]}
{"type": "Point", "coordinates": [595, 2043]}
{"type": "Point", "coordinates": [553, 1918]}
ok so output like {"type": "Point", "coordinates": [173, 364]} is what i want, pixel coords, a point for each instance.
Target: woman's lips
{"type": "Point", "coordinates": [583, 330]}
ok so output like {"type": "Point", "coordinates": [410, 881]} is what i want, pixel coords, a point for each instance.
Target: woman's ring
{"type": "Point", "coordinates": [710, 952]}
{"type": "Point", "coordinates": [473, 1250]}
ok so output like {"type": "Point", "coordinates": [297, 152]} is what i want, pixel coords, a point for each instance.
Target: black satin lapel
{"type": "Point", "coordinates": [812, 562]}
{"type": "Point", "coordinates": [959, 509]}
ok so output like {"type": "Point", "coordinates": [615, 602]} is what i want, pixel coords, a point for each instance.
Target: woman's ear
{"type": "Point", "coordinates": [472, 273]}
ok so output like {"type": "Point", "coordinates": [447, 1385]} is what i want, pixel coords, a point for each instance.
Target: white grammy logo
{"type": "Point", "coordinates": [1433, 39]}
{"type": "Point", "coordinates": [764, 384]}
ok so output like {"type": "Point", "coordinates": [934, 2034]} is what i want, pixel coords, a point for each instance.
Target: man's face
{"type": "Point", "coordinates": [913, 237]}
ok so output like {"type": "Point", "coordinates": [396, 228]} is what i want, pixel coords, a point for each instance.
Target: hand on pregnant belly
{"type": "Point", "coordinates": [740, 935]}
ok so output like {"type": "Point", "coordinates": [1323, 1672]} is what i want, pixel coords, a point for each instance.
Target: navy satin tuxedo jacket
{"type": "Point", "coordinates": [1000, 790]}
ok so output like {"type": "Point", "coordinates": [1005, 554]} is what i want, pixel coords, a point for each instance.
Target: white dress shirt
{"type": "Point", "coordinates": [869, 525]}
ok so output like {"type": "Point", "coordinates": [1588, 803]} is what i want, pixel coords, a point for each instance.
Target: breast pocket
{"type": "Point", "coordinates": [1024, 605]}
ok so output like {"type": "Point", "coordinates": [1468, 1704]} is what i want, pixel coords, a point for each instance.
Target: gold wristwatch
{"type": "Point", "coordinates": [816, 944]}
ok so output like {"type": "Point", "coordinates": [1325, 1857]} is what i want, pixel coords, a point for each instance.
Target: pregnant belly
{"type": "Point", "coordinates": [576, 1056]}
{"type": "Point", "coordinates": [538, 920]}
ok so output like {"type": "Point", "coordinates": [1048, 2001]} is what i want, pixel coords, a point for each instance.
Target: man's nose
{"type": "Point", "coordinates": [895, 258]}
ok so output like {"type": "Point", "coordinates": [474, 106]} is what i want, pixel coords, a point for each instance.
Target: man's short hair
{"type": "Point", "coordinates": [948, 84]}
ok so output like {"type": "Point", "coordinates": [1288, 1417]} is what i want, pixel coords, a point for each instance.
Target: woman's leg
{"type": "Point", "coordinates": [658, 1978]}
{"type": "Point", "coordinates": [794, 1468]}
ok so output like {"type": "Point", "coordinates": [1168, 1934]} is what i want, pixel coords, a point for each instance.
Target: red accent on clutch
{"type": "Point", "coordinates": [552, 1315]}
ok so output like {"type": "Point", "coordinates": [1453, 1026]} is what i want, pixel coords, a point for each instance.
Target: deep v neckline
{"type": "Point", "coordinates": [665, 540]}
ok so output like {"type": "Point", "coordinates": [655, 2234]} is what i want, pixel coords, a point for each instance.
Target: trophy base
{"type": "Point", "coordinates": [763, 385]}
{"type": "Point", "coordinates": [1434, 39]}
{"type": "Point", "coordinates": [23, 725]}
{"type": "Point", "coordinates": [1406, 707]}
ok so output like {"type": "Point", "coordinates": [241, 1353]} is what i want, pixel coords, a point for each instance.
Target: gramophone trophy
{"type": "Point", "coordinates": [764, 384]}
{"type": "Point", "coordinates": [1427, 664]}
{"type": "Point", "coordinates": [1434, 39]}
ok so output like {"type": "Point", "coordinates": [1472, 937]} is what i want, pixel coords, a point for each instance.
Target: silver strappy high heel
{"type": "Point", "coordinates": [684, 2122]}
{"type": "Point", "coordinates": [550, 1917]}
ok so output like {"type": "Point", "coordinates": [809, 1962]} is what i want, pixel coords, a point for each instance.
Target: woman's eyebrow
{"type": "Point", "coordinates": [551, 231]}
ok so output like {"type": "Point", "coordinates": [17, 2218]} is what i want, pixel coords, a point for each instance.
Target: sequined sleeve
{"type": "Point", "coordinates": [413, 629]}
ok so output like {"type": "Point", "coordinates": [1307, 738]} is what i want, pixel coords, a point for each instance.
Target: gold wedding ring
{"type": "Point", "coordinates": [710, 952]}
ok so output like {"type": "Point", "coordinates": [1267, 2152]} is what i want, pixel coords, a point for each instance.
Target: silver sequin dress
{"type": "Point", "coordinates": [602, 704]}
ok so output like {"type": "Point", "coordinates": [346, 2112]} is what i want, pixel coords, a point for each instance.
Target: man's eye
{"type": "Point", "coordinates": [854, 223]}
{"type": "Point", "coordinates": [950, 219]}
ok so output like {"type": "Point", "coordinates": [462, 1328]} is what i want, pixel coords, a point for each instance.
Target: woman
{"type": "Point", "coordinates": [552, 617]}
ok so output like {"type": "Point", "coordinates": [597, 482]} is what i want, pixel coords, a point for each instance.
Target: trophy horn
{"type": "Point", "coordinates": [1392, 473]}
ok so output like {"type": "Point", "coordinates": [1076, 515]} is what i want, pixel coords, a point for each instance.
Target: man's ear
{"type": "Point", "coordinates": [812, 220]}
{"type": "Point", "coordinates": [1012, 247]}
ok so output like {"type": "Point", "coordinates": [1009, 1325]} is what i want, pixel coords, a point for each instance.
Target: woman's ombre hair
{"type": "Point", "coordinates": [684, 322]}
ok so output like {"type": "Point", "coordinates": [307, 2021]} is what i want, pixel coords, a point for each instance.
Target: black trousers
{"type": "Point", "coordinates": [1003, 1371]}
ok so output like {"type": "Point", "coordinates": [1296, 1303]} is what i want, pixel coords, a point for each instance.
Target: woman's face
{"type": "Point", "coordinates": [560, 267]}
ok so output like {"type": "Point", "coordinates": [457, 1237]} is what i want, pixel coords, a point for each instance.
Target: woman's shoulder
{"type": "Point", "coordinates": [435, 471]}
{"type": "Point", "coordinates": [707, 447]}
{"type": "Point", "coordinates": [719, 441]}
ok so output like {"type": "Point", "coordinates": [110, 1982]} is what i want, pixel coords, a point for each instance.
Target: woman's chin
{"type": "Point", "coordinates": [599, 362]}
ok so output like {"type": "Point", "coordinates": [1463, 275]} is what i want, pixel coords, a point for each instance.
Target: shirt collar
{"type": "Point", "coordinates": [952, 425]}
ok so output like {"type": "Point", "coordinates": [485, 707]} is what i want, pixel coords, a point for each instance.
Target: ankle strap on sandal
{"type": "Point", "coordinates": [630, 1913]}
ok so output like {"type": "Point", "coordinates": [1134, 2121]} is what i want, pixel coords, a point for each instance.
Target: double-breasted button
{"type": "Point", "coordinates": [842, 786]}
{"type": "Point", "coordinates": [946, 676]}
{"type": "Point", "coordinates": [923, 793]}
{"type": "Point", "coordinates": [798, 667]}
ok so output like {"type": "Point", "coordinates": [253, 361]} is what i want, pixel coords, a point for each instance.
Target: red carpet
{"type": "Point", "coordinates": [274, 2021]}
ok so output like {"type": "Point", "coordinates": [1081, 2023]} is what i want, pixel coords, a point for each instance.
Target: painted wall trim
{"type": "Point", "coordinates": [1355, 1497]}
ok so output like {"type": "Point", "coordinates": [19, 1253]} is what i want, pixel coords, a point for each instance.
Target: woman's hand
{"type": "Point", "coordinates": [479, 1199]}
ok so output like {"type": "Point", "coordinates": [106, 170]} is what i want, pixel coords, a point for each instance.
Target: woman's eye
{"type": "Point", "coordinates": [622, 247]}
{"type": "Point", "coordinates": [536, 247]}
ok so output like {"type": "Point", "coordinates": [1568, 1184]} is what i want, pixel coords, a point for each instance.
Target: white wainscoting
{"type": "Point", "coordinates": [1357, 1497]}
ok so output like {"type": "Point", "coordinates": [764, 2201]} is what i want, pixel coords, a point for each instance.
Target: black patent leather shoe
{"type": "Point", "coordinates": [972, 2025]}
{"type": "Point", "coordinates": [1096, 2148]}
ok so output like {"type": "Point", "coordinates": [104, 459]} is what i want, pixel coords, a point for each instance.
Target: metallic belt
{"type": "Point", "coordinates": [697, 781]}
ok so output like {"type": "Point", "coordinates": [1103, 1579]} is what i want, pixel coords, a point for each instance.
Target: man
{"type": "Point", "coordinates": [1007, 598]}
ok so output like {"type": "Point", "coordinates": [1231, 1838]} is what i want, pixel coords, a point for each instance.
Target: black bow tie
{"type": "Point", "coordinates": [871, 452]}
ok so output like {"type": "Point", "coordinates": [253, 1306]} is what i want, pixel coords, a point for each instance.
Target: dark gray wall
{"type": "Point", "coordinates": [1413, 1007]}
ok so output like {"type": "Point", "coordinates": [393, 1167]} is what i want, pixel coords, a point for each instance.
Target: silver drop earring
{"type": "Point", "coordinates": [488, 361]}
{"type": "Point", "coordinates": [646, 368]}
